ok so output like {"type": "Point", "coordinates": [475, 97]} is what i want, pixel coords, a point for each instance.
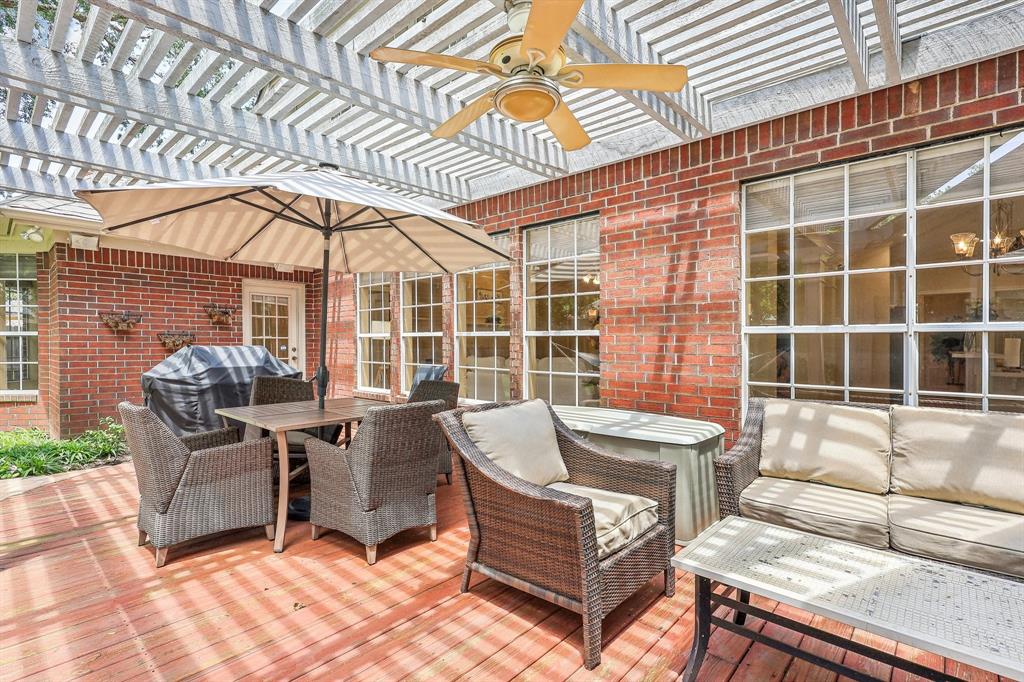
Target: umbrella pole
{"type": "Point", "coordinates": [322, 374]}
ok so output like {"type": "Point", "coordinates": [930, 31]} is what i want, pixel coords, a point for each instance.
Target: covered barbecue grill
{"type": "Point", "coordinates": [186, 388]}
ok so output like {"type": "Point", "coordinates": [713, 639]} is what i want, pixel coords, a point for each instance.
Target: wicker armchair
{"type": "Point", "coordinates": [196, 485]}
{"type": "Point", "coordinates": [383, 482]}
{"type": "Point", "coordinates": [448, 391]}
{"type": "Point", "coordinates": [737, 468]}
{"type": "Point", "coordinates": [269, 390]}
{"type": "Point", "coordinates": [543, 541]}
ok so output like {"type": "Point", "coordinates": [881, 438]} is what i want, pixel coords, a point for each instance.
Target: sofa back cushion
{"type": "Point", "coordinates": [520, 439]}
{"type": "Point", "coordinates": [959, 456]}
{"type": "Point", "coordinates": [837, 445]}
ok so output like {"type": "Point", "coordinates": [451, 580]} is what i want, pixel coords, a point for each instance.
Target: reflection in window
{"type": "Point", "coordinates": [373, 330]}
{"type": "Point", "coordinates": [482, 324]}
{"type": "Point", "coordinates": [421, 324]}
{"type": "Point", "coordinates": [563, 285]}
{"type": "Point", "coordinates": [19, 316]}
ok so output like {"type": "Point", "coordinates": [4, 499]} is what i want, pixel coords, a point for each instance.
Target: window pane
{"type": "Point", "coordinates": [539, 386]}
{"type": "Point", "coordinates": [951, 402]}
{"type": "Point", "coordinates": [588, 275]}
{"type": "Point", "coordinates": [997, 405]}
{"type": "Point", "coordinates": [767, 204]}
{"type": "Point", "coordinates": [8, 266]}
{"type": "Point", "coordinates": [768, 254]}
{"type": "Point", "coordinates": [563, 312]}
{"type": "Point", "coordinates": [537, 280]}
{"type": "Point", "coordinates": [879, 185]}
{"type": "Point", "coordinates": [588, 358]}
{"type": "Point", "coordinates": [562, 241]}
{"type": "Point", "coordinates": [950, 361]}
{"type": "Point", "coordinates": [819, 359]}
{"type": "Point", "coordinates": [537, 243]}
{"type": "Point", "coordinates": [1006, 291]}
{"type": "Point", "coordinates": [563, 389]}
{"type": "Point", "coordinates": [587, 236]}
{"type": "Point", "coordinates": [1007, 161]}
{"type": "Point", "coordinates": [818, 300]}
{"type": "Point", "coordinates": [818, 394]}
{"type": "Point", "coordinates": [876, 398]}
{"type": "Point", "coordinates": [539, 349]}
{"type": "Point", "coordinates": [502, 289]}
{"type": "Point", "coordinates": [878, 242]}
{"type": "Point", "coordinates": [949, 294]}
{"type": "Point", "coordinates": [464, 286]}
{"type": "Point", "coordinates": [952, 171]}
{"type": "Point", "coordinates": [1005, 376]}
{"type": "Point", "coordinates": [768, 391]}
{"type": "Point", "coordinates": [819, 248]}
{"type": "Point", "coordinates": [589, 391]}
{"type": "Point", "coordinates": [818, 195]}
{"type": "Point", "coordinates": [876, 361]}
{"type": "Point", "coordinates": [30, 377]}
{"type": "Point", "coordinates": [878, 298]}
{"type": "Point", "coordinates": [537, 314]}
{"type": "Point", "coordinates": [768, 303]}
{"type": "Point", "coordinates": [768, 358]}
{"type": "Point", "coordinates": [589, 312]}
{"type": "Point", "coordinates": [936, 226]}
{"type": "Point", "coordinates": [1006, 226]}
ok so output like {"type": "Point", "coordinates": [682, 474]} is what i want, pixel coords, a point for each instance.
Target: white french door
{"type": "Point", "coordinates": [273, 316]}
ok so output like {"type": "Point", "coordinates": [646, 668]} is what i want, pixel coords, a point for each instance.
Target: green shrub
{"type": "Point", "coordinates": [30, 452]}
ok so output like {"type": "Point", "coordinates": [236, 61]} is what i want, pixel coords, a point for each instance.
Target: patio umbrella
{"type": "Point", "coordinates": [310, 219]}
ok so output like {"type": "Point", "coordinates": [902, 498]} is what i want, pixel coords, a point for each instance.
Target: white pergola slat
{"type": "Point", "coordinates": [155, 89]}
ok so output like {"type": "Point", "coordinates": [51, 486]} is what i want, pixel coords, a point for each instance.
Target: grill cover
{"type": "Point", "coordinates": [186, 388]}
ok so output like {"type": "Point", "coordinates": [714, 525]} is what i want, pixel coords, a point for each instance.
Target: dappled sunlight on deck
{"type": "Point", "coordinates": [81, 599]}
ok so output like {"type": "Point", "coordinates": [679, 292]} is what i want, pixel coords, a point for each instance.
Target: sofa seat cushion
{"type": "Point", "coordinates": [520, 439]}
{"type": "Point", "coordinates": [958, 533]}
{"type": "Point", "coordinates": [838, 445]}
{"type": "Point", "coordinates": [959, 456]}
{"type": "Point", "coordinates": [619, 519]}
{"type": "Point", "coordinates": [816, 508]}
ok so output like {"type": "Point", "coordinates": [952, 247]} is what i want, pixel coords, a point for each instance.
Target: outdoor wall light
{"type": "Point", "coordinates": [121, 321]}
{"type": "Point", "coordinates": [220, 314]}
{"type": "Point", "coordinates": [173, 341]}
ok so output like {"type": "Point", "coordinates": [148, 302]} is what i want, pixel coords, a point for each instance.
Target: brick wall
{"type": "Point", "coordinates": [670, 253]}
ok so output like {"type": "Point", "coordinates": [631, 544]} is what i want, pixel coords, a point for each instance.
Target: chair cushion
{"type": "Point", "coordinates": [816, 508]}
{"type": "Point", "coordinates": [839, 445]}
{"type": "Point", "coordinates": [619, 519]}
{"type": "Point", "coordinates": [959, 456]}
{"type": "Point", "coordinates": [974, 536]}
{"type": "Point", "coordinates": [520, 439]}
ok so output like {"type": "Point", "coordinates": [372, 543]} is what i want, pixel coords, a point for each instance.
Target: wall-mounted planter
{"type": "Point", "coordinates": [120, 321]}
{"type": "Point", "coordinates": [173, 341]}
{"type": "Point", "coordinates": [220, 314]}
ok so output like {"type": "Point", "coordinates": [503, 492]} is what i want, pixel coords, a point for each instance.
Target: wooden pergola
{"type": "Point", "coordinates": [142, 90]}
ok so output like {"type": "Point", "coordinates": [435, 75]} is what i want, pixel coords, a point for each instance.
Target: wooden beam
{"type": "Point", "coordinates": [247, 34]}
{"type": "Point", "coordinates": [154, 54]}
{"type": "Point", "coordinates": [101, 89]}
{"type": "Point", "coordinates": [61, 23]}
{"type": "Point", "coordinates": [43, 184]}
{"type": "Point", "coordinates": [851, 35]}
{"type": "Point", "coordinates": [93, 32]}
{"type": "Point", "coordinates": [26, 20]}
{"type": "Point", "coordinates": [126, 43]}
{"type": "Point", "coordinates": [888, 24]}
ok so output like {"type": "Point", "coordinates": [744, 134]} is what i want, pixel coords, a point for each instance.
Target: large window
{"type": "Point", "coordinates": [482, 312]}
{"type": "Point", "coordinates": [563, 283]}
{"type": "Point", "coordinates": [373, 301]}
{"type": "Point", "coordinates": [421, 324]}
{"type": "Point", "coordinates": [899, 279]}
{"type": "Point", "coordinates": [19, 342]}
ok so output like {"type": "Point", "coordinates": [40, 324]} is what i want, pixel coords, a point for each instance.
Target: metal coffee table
{"type": "Point", "coordinates": [960, 613]}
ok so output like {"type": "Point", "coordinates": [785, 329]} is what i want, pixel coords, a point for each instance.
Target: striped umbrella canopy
{"type": "Point", "coordinates": [310, 219]}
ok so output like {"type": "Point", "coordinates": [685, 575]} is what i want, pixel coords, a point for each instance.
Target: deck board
{"type": "Point", "coordinates": [82, 601]}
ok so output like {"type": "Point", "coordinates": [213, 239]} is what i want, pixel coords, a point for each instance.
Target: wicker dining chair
{"type": "Point", "coordinates": [191, 486]}
{"type": "Point", "coordinates": [383, 482]}
{"type": "Point", "coordinates": [543, 541]}
{"type": "Point", "coordinates": [269, 390]}
{"type": "Point", "coordinates": [448, 391]}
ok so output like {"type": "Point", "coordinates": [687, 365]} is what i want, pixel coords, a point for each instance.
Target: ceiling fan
{"type": "Point", "coordinates": [532, 65]}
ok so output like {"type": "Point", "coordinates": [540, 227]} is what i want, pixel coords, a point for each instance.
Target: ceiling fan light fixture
{"type": "Point", "coordinates": [527, 98]}
{"type": "Point", "coordinates": [516, 14]}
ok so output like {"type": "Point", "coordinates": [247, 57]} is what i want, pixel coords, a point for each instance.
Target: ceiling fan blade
{"type": "Point", "coordinates": [566, 128]}
{"type": "Point", "coordinates": [462, 118]}
{"type": "Point", "coordinates": [658, 77]}
{"type": "Point", "coordinates": [441, 61]}
{"type": "Point", "coordinates": [547, 25]}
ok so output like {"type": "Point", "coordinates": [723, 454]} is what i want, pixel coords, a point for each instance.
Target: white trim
{"type": "Point", "coordinates": [296, 292]}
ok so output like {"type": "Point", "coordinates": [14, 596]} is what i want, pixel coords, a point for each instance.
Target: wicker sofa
{"type": "Point", "coordinates": [544, 539]}
{"type": "Point", "coordinates": [943, 484]}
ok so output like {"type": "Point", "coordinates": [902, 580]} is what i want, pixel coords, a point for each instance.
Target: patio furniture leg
{"type": "Point", "coordinates": [670, 582]}
{"type": "Point", "coordinates": [591, 635]}
{"type": "Point", "coordinates": [142, 537]}
{"type": "Point", "coordinates": [348, 434]}
{"type": "Point", "coordinates": [371, 554]}
{"type": "Point", "coordinates": [701, 629]}
{"type": "Point", "coordinates": [317, 531]}
{"type": "Point", "coordinates": [740, 617]}
{"type": "Point", "coordinates": [282, 490]}
{"type": "Point", "coordinates": [433, 532]}
{"type": "Point", "coordinates": [466, 574]}
{"type": "Point", "coordinates": [270, 531]}
{"type": "Point", "coordinates": [161, 556]}
{"type": "Point", "coordinates": [448, 477]}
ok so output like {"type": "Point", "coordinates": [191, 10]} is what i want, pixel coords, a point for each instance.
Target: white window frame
{"type": "Point", "coordinates": [572, 333]}
{"type": "Point", "coordinates": [460, 336]}
{"type": "Point", "coordinates": [12, 393]}
{"type": "Point", "coordinates": [364, 334]}
{"type": "Point", "coordinates": [403, 306]}
{"type": "Point", "coordinates": [912, 329]}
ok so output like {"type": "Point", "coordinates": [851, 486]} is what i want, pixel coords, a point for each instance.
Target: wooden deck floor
{"type": "Point", "coordinates": [79, 599]}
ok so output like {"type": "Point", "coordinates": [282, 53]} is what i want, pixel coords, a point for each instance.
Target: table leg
{"type": "Point", "coordinates": [282, 490]}
{"type": "Point", "coordinates": [348, 433]}
{"type": "Point", "coordinates": [739, 617]}
{"type": "Point", "coordinates": [701, 627]}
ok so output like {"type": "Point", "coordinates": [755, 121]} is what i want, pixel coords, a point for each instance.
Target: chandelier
{"type": "Point", "coordinates": [1003, 241]}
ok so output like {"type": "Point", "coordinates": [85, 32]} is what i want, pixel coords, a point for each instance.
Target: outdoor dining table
{"type": "Point", "coordinates": [280, 418]}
